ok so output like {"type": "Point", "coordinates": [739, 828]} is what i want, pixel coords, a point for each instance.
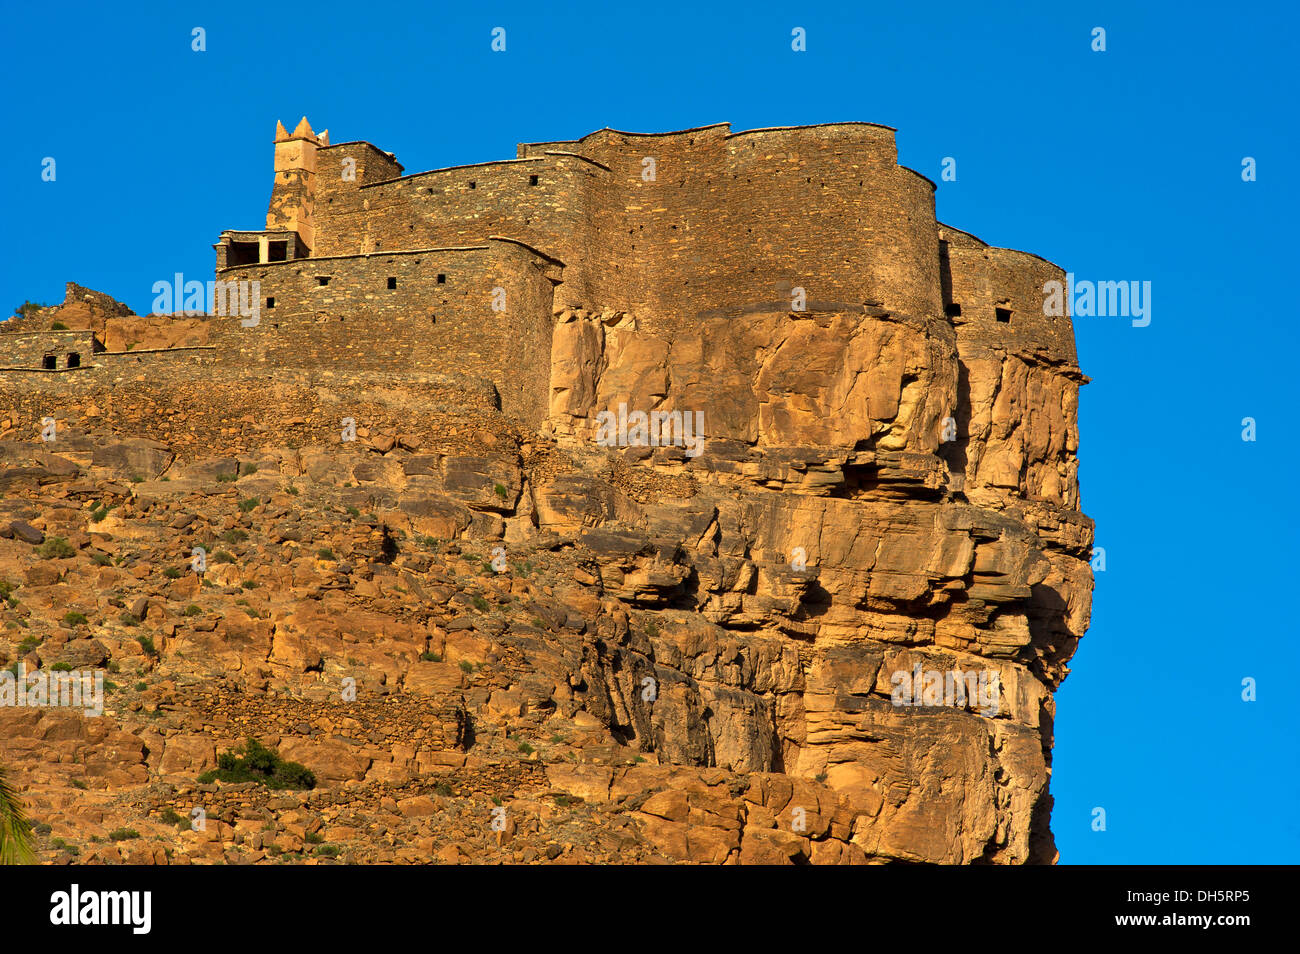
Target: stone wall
{"type": "Point", "coordinates": [28, 349]}
{"type": "Point", "coordinates": [438, 317]}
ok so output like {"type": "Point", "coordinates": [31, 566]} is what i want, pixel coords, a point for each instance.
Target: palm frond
{"type": "Point", "coordinates": [15, 830]}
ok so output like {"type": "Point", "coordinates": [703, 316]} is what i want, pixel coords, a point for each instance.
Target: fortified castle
{"type": "Point", "coordinates": [881, 499]}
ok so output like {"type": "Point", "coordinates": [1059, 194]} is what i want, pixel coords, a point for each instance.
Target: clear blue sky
{"type": "Point", "coordinates": [1117, 165]}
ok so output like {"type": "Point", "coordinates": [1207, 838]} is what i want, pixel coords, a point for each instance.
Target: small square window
{"type": "Point", "coordinates": [392, 282]}
{"type": "Point", "coordinates": [322, 279]}
{"type": "Point", "coordinates": [1002, 314]}
{"type": "Point", "coordinates": [270, 303]}
{"type": "Point", "coordinates": [442, 279]}
{"type": "Point", "coordinates": [49, 362]}
{"type": "Point", "coordinates": [532, 180]}
{"type": "Point", "coordinates": [473, 185]}
{"type": "Point", "coordinates": [952, 309]}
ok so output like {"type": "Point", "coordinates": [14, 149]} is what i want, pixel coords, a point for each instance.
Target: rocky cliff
{"type": "Point", "coordinates": [825, 627]}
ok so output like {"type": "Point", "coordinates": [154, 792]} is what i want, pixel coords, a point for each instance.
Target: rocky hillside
{"type": "Point", "coordinates": [495, 645]}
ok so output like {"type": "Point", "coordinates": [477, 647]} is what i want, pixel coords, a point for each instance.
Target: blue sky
{"type": "Point", "coordinates": [1122, 165]}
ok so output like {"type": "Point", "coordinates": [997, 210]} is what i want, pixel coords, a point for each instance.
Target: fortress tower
{"type": "Point", "coordinates": [293, 198]}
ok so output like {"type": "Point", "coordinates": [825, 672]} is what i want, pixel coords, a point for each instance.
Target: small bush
{"type": "Point", "coordinates": [126, 619]}
{"type": "Point", "coordinates": [256, 763]}
{"type": "Point", "coordinates": [247, 469]}
{"type": "Point", "coordinates": [55, 548]}
{"type": "Point", "coordinates": [123, 834]}
{"type": "Point", "coordinates": [62, 667]}
{"type": "Point", "coordinates": [99, 559]}
{"type": "Point", "coordinates": [500, 491]}
{"type": "Point", "coordinates": [480, 604]}
{"type": "Point", "coordinates": [525, 748]}
{"type": "Point", "coordinates": [73, 618]}
{"type": "Point", "coordinates": [325, 553]}
{"type": "Point", "coordinates": [146, 646]}
{"type": "Point", "coordinates": [466, 666]}
{"type": "Point", "coordinates": [223, 556]}
{"type": "Point", "coordinates": [58, 326]}
{"type": "Point", "coordinates": [249, 504]}
{"type": "Point", "coordinates": [141, 686]}
{"type": "Point", "coordinates": [225, 478]}
{"type": "Point", "coordinates": [430, 657]}
{"type": "Point", "coordinates": [170, 817]}
{"type": "Point", "coordinates": [313, 838]}
{"type": "Point", "coordinates": [235, 535]}
{"type": "Point", "coordinates": [354, 512]}
{"type": "Point", "coordinates": [192, 610]}
{"type": "Point", "coordinates": [250, 584]}
{"type": "Point", "coordinates": [98, 513]}
{"type": "Point", "coordinates": [291, 490]}
{"type": "Point", "coordinates": [172, 573]}
{"type": "Point", "coordinates": [327, 851]}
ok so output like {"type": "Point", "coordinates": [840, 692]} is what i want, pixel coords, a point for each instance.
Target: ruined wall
{"type": "Point", "coordinates": [423, 324]}
{"type": "Point", "coordinates": [27, 350]}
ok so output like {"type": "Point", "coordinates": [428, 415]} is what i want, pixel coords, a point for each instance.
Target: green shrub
{"type": "Point", "coordinates": [98, 513]}
{"type": "Point", "coordinates": [525, 748]}
{"type": "Point", "coordinates": [291, 490]}
{"type": "Point", "coordinates": [235, 535]}
{"type": "Point", "coordinates": [430, 657]}
{"type": "Point", "coordinates": [170, 817]}
{"type": "Point", "coordinates": [58, 326]}
{"type": "Point", "coordinates": [141, 686]}
{"type": "Point", "coordinates": [325, 553]}
{"type": "Point", "coordinates": [123, 834]}
{"type": "Point", "coordinates": [126, 619]}
{"type": "Point", "coordinates": [256, 763]}
{"type": "Point", "coordinates": [248, 469]}
{"type": "Point", "coordinates": [172, 573]}
{"type": "Point", "coordinates": [62, 667]}
{"type": "Point", "coordinates": [223, 556]}
{"type": "Point", "coordinates": [466, 666]}
{"type": "Point", "coordinates": [480, 604]}
{"type": "Point", "coordinates": [354, 512]}
{"type": "Point", "coordinates": [313, 838]}
{"type": "Point", "coordinates": [192, 610]}
{"type": "Point", "coordinates": [55, 548]}
{"type": "Point", "coordinates": [500, 491]}
{"type": "Point", "coordinates": [249, 504]}
{"type": "Point", "coordinates": [327, 851]}
{"type": "Point", "coordinates": [73, 618]}
{"type": "Point", "coordinates": [225, 478]}
{"type": "Point", "coordinates": [98, 558]}
{"type": "Point", "coordinates": [146, 645]}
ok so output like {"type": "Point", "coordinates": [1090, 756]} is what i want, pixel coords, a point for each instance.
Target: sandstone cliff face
{"type": "Point", "coordinates": [824, 445]}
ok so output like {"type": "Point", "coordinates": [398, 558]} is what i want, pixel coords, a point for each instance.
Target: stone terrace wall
{"type": "Point", "coordinates": [356, 321]}
{"type": "Point", "coordinates": [202, 407]}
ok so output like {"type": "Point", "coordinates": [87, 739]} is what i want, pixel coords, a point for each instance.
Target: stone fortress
{"type": "Point", "coordinates": [881, 393]}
